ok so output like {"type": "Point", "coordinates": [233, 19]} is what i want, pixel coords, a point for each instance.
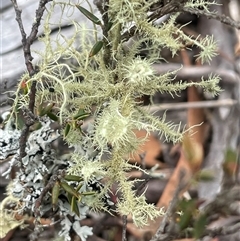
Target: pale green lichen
{"type": "Point", "coordinates": [109, 90]}
{"type": "Point", "coordinates": [8, 220]}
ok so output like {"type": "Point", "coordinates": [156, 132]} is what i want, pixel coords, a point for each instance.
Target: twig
{"type": "Point", "coordinates": [26, 43]}
{"type": "Point", "coordinates": [142, 159]}
{"type": "Point", "coordinates": [54, 178]}
{"type": "Point", "coordinates": [107, 54]}
{"type": "Point", "coordinates": [124, 231]}
{"type": "Point", "coordinates": [222, 230]}
{"type": "Point", "coordinates": [221, 201]}
{"type": "Point", "coordinates": [193, 72]}
{"type": "Point", "coordinates": [158, 13]}
{"type": "Point", "coordinates": [161, 233]}
{"type": "Point", "coordinates": [141, 185]}
{"type": "Point", "coordinates": [171, 7]}
{"type": "Point", "coordinates": [29, 120]}
{"type": "Point", "coordinates": [213, 15]}
{"type": "Point", "coordinates": [178, 6]}
{"type": "Point", "coordinates": [197, 104]}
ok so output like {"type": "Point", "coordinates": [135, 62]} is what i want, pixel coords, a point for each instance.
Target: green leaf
{"type": "Point", "coordinates": [89, 15]}
{"type": "Point", "coordinates": [73, 178]}
{"type": "Point", "coordinates": [187, 207]}
{"type": "Point", "coordinates": [69, 189]}
{"type": "Point", "coordinates": [55, 194]}
{"type": "Point", "coordinates": [67, 129]}
{"type": "Point", "coordinates": [199, 226]}
{"type": "Point", "coordinates": [96, 48]}
{"type": "Point", "coordinates": [205, 176]}
{"type": "Point", "coordinates": [109, 25]}
{"type": "Point", "coordinates": [52, 116]}
{"type": "Point", "coordinates": [81, 115]}
{"type": "Point", "coordinates": [43, 111]}
{"type": "Point", "coordinates": [230, 165]}
{"type": "Point", "coordinates": [74, 206]}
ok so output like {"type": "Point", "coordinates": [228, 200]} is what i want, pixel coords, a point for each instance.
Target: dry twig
{"type": "Point", "coordinates": [26, 43]}
{"type": "Point", "coordinates": [197, 104]}
{"type": "Point", "coordinates": [124, 231]}
{"type": "Point", "coordinates": [213, 15]}
{"type": "Point", "coordinates": [162, 234]}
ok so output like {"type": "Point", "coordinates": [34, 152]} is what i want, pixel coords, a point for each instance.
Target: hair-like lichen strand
{"type": "Point", "coordinates": [96, 97]}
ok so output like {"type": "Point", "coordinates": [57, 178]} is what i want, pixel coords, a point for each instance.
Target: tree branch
{"type": "Point", "coordinates": [26, 44]}
{"type": "Point", "coordinates": [222, 230]}
{"type": "Point", "coordinates": [213, 15]}
{"type": "Point", "coordinates": [162, 234]}
{"type": "Point", "coordinates": [178, 6]}
{"type": "Point", "coordinates": [124, 231]}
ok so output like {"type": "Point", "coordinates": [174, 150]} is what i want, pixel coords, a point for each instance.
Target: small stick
{"type": "Point", "coordinates": [124, 231]}
{"type": "Point", "coordinates": [170, 210]}
{"type": "Point", "coordinates": [196, 104]}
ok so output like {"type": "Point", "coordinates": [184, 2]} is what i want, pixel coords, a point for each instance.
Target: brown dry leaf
{"type": "Point", "coordinates": [193, 153]}
{"type": "Point", "coordinates": [151, 148]}
{"type": "Point", "coordinates": [140, 233]}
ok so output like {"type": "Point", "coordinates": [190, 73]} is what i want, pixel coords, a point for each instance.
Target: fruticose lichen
{"type": "Point", "coordinates": [106, 87]}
